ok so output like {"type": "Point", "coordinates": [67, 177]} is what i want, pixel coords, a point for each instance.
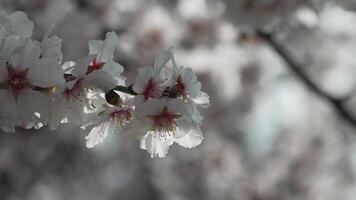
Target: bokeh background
{"type": "Point", "coordinates": [267, 135]}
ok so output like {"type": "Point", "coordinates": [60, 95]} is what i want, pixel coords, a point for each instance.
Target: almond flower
{"type": "Point", "coordinates": [96, 73]}
{"type": "Point", "coordinates": [150, 82]}
{"type": "Point", "coordinates": [164, 122]}
{"type": "Point", "coordinates": [25, 78]}
{"type": "Point", "coordinates": [72, 96]}
{"type": "Point", "coordinates": [103, 71]}
{"type": "Point", "coordinates": [110, 119]}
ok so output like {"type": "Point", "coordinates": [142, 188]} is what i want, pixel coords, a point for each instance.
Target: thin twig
{"type": "Point", "coordinates": [338, 104]}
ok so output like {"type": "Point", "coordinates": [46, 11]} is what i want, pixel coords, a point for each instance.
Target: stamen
{"type": "Point", "coordinates": [152, 90]}
{"type": "Point", "coordinates": [95, 65]}
{"type": "Point", "coordinates": [164, 124]}
{"type": "Point", "coordinates": [17, 80]}
{"type": "Point", "coordinates": [179, 89]}
{"type": "Point", "coordinates": [122, 117]}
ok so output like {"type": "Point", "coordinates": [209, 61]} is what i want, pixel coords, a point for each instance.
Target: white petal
{"type": "Point", "coordinates": [45, 73]}
{"type": "Point", "coordinates": [190, 81]}
{"type": "Point", "coordinates": [20, 24]}
{"type": "Point", "coordinates": [103, 80]}
{"type": "Point", "coordinates": [155, 146]}
{"type": "Point", "coordinates": [9, 45]}
{"type": "Point", "coordinates": [52, 48]}
{"type": "Point", "coordinates": [184, 127]}
{"type": "Point", "coordinates": [95, 46]}
{"type": "Point", "coordinates": [104, 49]}
{"type": "Point", "coordinates": [194, 89]}
{"type": "Point", "coordinates": [98, 134]}
{"type": "Point", "coordinates": [26, 55]}
{"type": "Point", "coordinates": [202, 100]}
{"type": "Point", "coordinates": [81, 67]}
{"type": "Point", "coordinates": [161, 60]}
{"type": "Point", "coordinates": [192, 139]}
{"type": "Point", "coordinates": [109, 45]}
{"type": "Point", "coordinates": [108, 77]}
{"type": "Point", "coordinates": [188, 74]}
{"type": "Point", "coordinates": [113, 68]}
{"type": "Point", "coordinates": [150, 107]}
{"type": "Point", "coordinates": [176, 106]}
{"type": "Point", "coordinates": [143, 76]}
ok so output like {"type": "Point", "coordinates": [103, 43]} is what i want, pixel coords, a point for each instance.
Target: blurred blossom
{"type": "Point", "coordinates": [260, 13]}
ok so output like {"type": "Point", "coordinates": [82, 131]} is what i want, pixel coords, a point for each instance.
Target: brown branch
{"type": "Point", "coordinates": [337, 104]}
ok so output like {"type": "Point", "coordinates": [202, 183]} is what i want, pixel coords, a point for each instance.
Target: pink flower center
{"type": "Point", "coordinates": [17, 80]}
{"type": "Point", "coordinates": [95, 65]}
{"type": "Point", "coordinates": [152, 90]}
{"type": "Point", "coordinates": [164, 123]}
{"type": "Point", "coordinates": [123, 117]}
{"type": "Point", "coordinates": [179, 89]}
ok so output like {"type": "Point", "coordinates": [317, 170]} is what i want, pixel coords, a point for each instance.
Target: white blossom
{"type": "Point", "coordinates": [25, 78]}
{"type": "Point", "coordinates": [103, 71]}
{"type": "Point", "coordinates": [150, 82]}
{"type": "Point", "coordinates": [166, 121]}
{"type": "Point", "coordinates": [110, 119]}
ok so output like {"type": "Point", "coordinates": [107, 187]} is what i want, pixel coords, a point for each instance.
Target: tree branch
{"type": "Point", "coordinates": [337, 104]}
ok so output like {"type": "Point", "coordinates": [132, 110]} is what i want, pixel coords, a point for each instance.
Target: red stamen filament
{"type": "Point", "coordinates": [95, 65]}
{"type": "Point", "coordinates": [152, 90]}
{"type": "Point", "coordinates": [17, 82]}
{"type": "Point", "coordinates": [122, 117]}
{"type": "Point", "coordinates": [164, 123]}
{"type": "Point", "coordinates": [179, 89]}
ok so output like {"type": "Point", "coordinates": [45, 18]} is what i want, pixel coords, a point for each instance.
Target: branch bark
{"type": "Point", "coordinates": [337, 104]}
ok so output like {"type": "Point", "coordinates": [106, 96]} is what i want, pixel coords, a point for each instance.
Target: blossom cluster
{"type": "Point", "coordinates": [37, 88]}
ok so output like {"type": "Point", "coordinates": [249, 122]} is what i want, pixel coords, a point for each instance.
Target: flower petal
{"type": "Point", "coordinates": [52, 48]}
{"type": "Point", "coordinates": [81, 67]}
{"type": "Point", "coordinates": [8, 45]}
{"type": "Point", "coordinates": [20, 24]}
{"type": "Point", "coordinates": [26, 55]}
{"type": "Point", "coordinates": [144, 75]}
{"type": "Point", "coordinates": [105, 49]}
{"type": "Point", "coordinates": [161, 60]}
{"type": "Point", "coordinates": [98, 134]}
{"type": "Point", "coordinates": [155, 146]}
{"type": "Point", "coordinates": [104, 80]}
{"type": "Point", "coordinates": [45, 73]}
{"type": "Point", "coordinates": [202, 100]}
{"type": "Point", "coordinates": [192, 139]}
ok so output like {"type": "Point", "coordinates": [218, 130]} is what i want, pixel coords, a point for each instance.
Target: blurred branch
{"type": "Point", "coordinates": [338, 104]}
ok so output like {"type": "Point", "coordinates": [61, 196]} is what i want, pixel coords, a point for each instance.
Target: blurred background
{"type": "Point", "coordinates": [267, 135]}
